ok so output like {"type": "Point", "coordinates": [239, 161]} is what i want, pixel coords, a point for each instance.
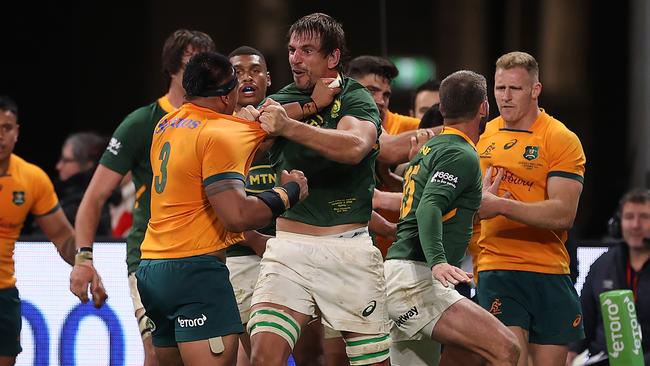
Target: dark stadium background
{"type": "Point", "coordinates": [75, 66]}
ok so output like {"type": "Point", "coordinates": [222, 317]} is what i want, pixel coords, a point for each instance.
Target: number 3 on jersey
{"type": "Point", "coordinates": [409, 190]}
{"type": "Point", "coordinates": [161, 180]}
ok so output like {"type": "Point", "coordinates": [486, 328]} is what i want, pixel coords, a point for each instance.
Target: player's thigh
{"type": "Point", "coordinates": [458, 326]}
{"type": "Point", "coordinates": [309, 348]}
{"type": "Point", "coordinates": [548, 354]}
{"type": "Point", "coordinates": [168, 356]}
{"type": "Point", "coordinates": [557, 313]}
{"type": "Point", "coordinates": [424, 352]}
{"type": "Point", "coordinates": [244, 271]}
{"type": "Point", "coordinates": [210, 352]}
{"type": "Point", "coordinates": [350, 288]}
{"type": "Point", "coordinates": [274, 330]}
{"type": "Point", "coordinates": [506, 295]}
{"type": "Point", "coordinates": [416, 301]}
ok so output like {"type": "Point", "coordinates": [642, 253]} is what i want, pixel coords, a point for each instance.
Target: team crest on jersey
{"type": "Point", "coordinates": [336, 108]}
{"type": "Point", "coordinates": [19, 198]}
{"type": "Point", "coordinates": [531, 152]}
{"type": "Point", "coordinates": [315, 120]}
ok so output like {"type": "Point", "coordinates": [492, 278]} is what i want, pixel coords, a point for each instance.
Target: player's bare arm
{"type": "Point", "coordinates": [239, 212]}
{"type": "Point", "coordinates": [349, 143]}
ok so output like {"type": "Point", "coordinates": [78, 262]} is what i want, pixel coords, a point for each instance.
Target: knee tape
{"type": "Point", "coordinates": [275, 321]}
{"type": "Point", "coordinates": [368, 349]}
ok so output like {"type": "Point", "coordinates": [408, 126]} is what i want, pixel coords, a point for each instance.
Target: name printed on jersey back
{"type": "Point", "coordinates": [176, 122]}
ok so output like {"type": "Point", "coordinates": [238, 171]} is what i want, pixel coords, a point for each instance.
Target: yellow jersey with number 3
{"type": "Point", "coordinates": [193, 147]}
{"type": "Point", "coordinates": [529, 158]}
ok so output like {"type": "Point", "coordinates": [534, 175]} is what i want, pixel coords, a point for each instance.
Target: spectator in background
{"type": "Point", "coordinates": [425, 96]}
{"type": "Point", "coordinates": [79, 157]}
{"type": "Point", "coordinates": [624, 266]}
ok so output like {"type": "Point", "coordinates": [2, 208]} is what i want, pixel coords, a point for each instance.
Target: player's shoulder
{"type": "Point", "coordinates": [27, 170]}
{"type": "Point", "coordinates": [493, 126]}
{"type": "Point", "coordinates": [143, 115]}
{"type": "Point", "coordinates": [557, 130]}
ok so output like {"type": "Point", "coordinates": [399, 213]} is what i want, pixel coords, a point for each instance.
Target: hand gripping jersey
{"type": "Point", "coordinates": [128, 150]}
{"type": "Point", "coordinates": [25, 188]}
{"type": "Point", "coordinates": [192, 148]}
{"type": "Point", "coordinates": [338, 193]}
{"type": "Point", "coordinates": [442, 191]}
{"type": "Point", "coordinates": [529, 158]}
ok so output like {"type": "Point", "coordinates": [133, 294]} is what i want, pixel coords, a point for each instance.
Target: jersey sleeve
{"type": "Point", "coordinates": [45, 199]}
{"type": "Point", "coordinates": [451, 173]}
{"type": "Point", "coordinates": [566, 158]}
{"type": "Point", "coordinates": [129, 142]}
{"type": "Point", "coordinates": [223, 156]}
{"type": "Point", "coordinates": [358, 103]}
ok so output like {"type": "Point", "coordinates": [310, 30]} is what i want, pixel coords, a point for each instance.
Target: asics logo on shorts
{"type": "Point", "coordinates": [577, 321]}
{"type": "Point", "coordinates": [370, 308]}
{"type": "Point", "coordinates": [197, 322]}
{"type": "Point", "coordinates": [406, 316]}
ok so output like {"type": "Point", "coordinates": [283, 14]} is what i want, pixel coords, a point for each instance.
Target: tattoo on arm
{"type": "Point", "coordinates": [223, 185]}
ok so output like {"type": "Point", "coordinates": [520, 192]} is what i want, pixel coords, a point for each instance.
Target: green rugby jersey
{"type": "Point", "coordinates": [261, 177]}
{"type": "Point", "coordinates": [338, 193]}
{"type": "Point", "coordinates": [128, 150]}
{"type": "Point", "coordinates": [442, 191]}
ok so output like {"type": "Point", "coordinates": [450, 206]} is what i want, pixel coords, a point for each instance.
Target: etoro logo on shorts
{"type": "Point", "coordinates": [196, 322]}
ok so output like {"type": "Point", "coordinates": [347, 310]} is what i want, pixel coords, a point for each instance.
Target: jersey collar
{"type": "Point", "coordinates": [446, 130]}
{"type": "Point", "coordinates": [165, 104]}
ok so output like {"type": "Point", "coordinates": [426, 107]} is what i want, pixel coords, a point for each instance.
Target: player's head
{"type": "Point", "coordinates": [179, 47]}
{"type": "Point", "coordinates": [516, 85]}
{"type": "Point", "coordinates": [211, 75]}
{"type": "Point", "coordinates": [9, 127]}
{"type": "Point", "coordinates": [252, 73]}
{"type": "Point", "coordinates": [80, 152]}
{"type": "Point", "coordinates": [463, 97]}
{"type": "Point", "coordinates": [432, 117]}
{"type": "Point", "coordinates": [634, 212]}
{"type": "Point", "coordinates": [316, 49]}
{"type": "Point", "coordinates": [426, 95]}
{"type": "Point", "coordinates": [520, 59]}
{"type": "Point", "coordinates": [376, 74]}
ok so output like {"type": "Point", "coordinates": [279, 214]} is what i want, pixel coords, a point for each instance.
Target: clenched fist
{"type": "Point", "coordinates": [298, 177]}
{"type": "Point", "coordinates": [274, 120]}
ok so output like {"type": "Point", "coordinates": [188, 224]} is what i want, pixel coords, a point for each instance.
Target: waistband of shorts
{"type": "Point", "coordinates": [359, 236]}
{"type": "Point", "coordinates": [196, 258]}
{"type": "Point", "coordinates": [398, 261]}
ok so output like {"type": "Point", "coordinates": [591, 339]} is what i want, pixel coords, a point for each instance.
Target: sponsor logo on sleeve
{"type": "Point", "coordinates": [444, 178]}
{"type": "Point", "coordinates": [114, 146]}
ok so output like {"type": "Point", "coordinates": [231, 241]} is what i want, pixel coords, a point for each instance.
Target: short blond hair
{"type": "Point", "coordinates": [519, 59]}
